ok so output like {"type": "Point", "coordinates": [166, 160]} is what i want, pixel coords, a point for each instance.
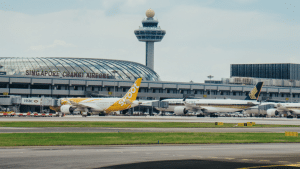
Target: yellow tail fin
{"type": "Point", "coordinates": [133, 91]}
{"type": "Point", "coordinates": [126, 101]}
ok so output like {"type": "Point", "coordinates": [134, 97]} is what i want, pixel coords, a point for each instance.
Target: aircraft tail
{"type": "Point", "coordinates": [255, 92]}
{"type": "Point", "coordinates": [133, 91]}
{"type": "Point", "coordinates": [126, 101]}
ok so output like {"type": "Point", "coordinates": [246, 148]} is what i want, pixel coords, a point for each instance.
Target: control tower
{"type": "Point", "coordinates": [150, 33]}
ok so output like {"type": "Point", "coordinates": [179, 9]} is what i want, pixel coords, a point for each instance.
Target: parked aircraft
{"type": "Point", "coordinates": [205, 106]}
{"type": "Point", "coordinates": [102, 105]}
{"type": "Point", "coordinates": [271, 109]}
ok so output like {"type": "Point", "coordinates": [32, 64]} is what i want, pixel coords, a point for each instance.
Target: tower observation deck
{"type": "Point", "coordinates": [150, 33]}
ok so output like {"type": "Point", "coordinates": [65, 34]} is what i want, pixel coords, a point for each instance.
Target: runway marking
{"type": "Point", "coordinates": [246, 159]}
{"type": "Point", "coordinates": [267, 166]}
{"type": "Point", "coordinates": [197, 156]}
{"type": "Point", "coordinates": [265, 160]}
{"type": "Point", "coordinates": [283, 161]}
{"type": "Point", "coordinates": [12, 152]}
{"type": "Point", "coordinates": [213, 157]}
{"type": "Point", "coordinates": [17, 128]}
{"type": "Point", "coordinates": [229, 158]}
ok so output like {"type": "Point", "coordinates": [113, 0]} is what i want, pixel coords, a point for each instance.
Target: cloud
{"type": "Point", "coordinates": [245, 1]}
{"type": "Point", "coordinates": [199, 40]}
{"type": "Point", "coordinates": [56, 43]}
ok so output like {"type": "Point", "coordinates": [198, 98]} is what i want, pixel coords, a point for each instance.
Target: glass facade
{"type": "Point", "coordinates": [270, 71]}
{"type": "Point", "coordinates": [77, 67]}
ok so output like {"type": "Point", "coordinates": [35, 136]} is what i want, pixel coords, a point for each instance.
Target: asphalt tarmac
{"type": "Point", "coordinates": [282, 121]}
{"type": "Point", "coordinates": [281, 155]}
{"type": "Point", "coordinates": [130, 130]}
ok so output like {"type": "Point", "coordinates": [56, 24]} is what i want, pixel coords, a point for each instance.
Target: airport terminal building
{"type": "Point", "coordinates": [81, 77]}
{"type": "Point", "coordinates": [34, 84]}
{"type": "Point", "coordinates": [270, 70]}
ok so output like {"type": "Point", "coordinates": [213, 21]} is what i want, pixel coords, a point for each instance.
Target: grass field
{"type": "Point", "coordinates": [51, 139]}
{"type": "Point", "coordinates": [130, 124]}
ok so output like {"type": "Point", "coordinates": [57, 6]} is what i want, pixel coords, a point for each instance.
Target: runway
{"type": "Point", "coordinates": [280, 155]}
{"type": "Point", "coordinates": [126, 130]}
{"type": "Point", "coordinates": [282, 121]}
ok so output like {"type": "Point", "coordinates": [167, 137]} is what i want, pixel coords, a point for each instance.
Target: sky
{"type": "Point", "coordinates": [203, 37]}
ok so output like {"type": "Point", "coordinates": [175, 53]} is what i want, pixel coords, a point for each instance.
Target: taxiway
{"type": "Point", "coordinates": [153, 156]}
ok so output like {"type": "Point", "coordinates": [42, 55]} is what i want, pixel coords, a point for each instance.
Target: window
{"type": "Point", "coordinates": [21, 86]}
{"type": "Point", "coordinates": [3, 85]}
{"type": "Point", "coordinates": [40, 87]}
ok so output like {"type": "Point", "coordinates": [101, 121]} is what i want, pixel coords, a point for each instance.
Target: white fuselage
{"type": "Point", "coordinates": [211, 105]}
{"type": "Point", "coordinates": [100, 104]}
{"type": "Point", "coordinates": [294, 108]}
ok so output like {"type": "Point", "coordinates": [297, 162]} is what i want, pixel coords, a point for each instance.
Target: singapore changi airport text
{"type": "Point", "coordinates": [66, 74]}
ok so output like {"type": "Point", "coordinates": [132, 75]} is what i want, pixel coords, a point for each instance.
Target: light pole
{"type": "Point", "coordinates": [114, 72]}
{"type": "Point", "coordinates": [210, 77]}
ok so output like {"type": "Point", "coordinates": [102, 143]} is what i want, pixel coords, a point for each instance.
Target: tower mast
{"type": "Point", "coordinates": [150, 33]}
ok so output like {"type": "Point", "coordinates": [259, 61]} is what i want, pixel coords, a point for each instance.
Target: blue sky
{"type": "Point", "coordinates": [203, 37]}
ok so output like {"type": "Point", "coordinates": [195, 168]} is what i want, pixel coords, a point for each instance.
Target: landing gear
{"type": "Point", "coordinates": [84, 114]}
{"type": "Point", "coordinates": [101, 114]}
{"type": "Point", "coordinates": [61, 114]}
{"type": "Point", "coordinates": [262, 115]}
{"type": "Point", "coordinates": [200, 115]}
{"type": "Point", "coordinates": [289, 117]}
{"type": "Point", "coordinates": [213, 115]}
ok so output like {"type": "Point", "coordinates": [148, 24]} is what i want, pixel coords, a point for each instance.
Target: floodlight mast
{"type": "Point", "coordinates": [210, 77]}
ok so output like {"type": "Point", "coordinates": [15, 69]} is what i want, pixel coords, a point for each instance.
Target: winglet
{"type": "Point", "coordinates": [255, 92]}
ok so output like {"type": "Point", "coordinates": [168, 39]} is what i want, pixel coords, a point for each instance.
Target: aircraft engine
{"type": "Point", "coordinates": [67, 109]}
{"type": "Point", "coordinates": [180, 110]}
{"type": "Point", "coordinates": [272, 112]}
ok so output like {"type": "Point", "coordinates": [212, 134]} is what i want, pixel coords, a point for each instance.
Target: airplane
{"type": "Point", "coordinates": [271, 109]}
{"type": "Point", "coordinates": [212, 106]}
{"type": "Point", "coordinates": [102, 105]}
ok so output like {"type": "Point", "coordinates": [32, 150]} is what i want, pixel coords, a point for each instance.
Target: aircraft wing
{"type": "Point", "coordinates": [294, 110]}
{"type": "Point", "coordinates": [281, 107]}
{"type": "Point", "coordinates": [78, 106]}
{"type": "Point", "coordinates": [194, 107]}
